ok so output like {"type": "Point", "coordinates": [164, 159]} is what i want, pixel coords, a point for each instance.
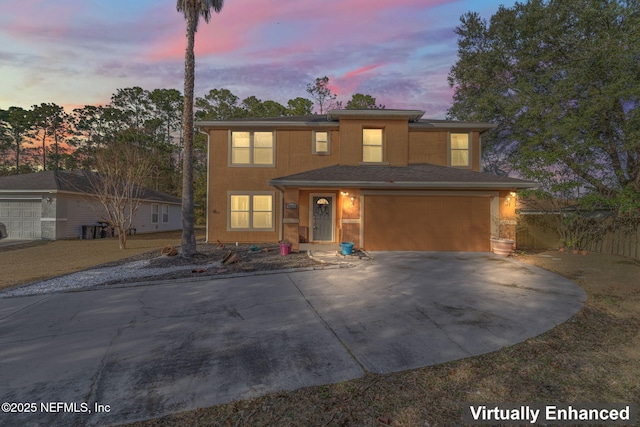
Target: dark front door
{"type": "Point", "coordinates": [322, 219]}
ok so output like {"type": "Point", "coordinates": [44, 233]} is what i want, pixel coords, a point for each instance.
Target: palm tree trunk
{"type": "Point", "coordinates": [188, 244]}
{"type": "Point", "coordinates": [44, 150]}
{"type": "Point", "coordinates": [17, 139]}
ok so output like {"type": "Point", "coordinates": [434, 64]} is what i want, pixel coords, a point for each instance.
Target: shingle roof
{"type": "Point", "coordinates": [411, 176]}
{"type": "Point", "coordinates": [332, 119]}
{"type": "Point", "coordinates": [67, 181]}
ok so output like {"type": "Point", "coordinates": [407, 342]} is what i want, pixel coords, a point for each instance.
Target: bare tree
{"type": "Point", "coordinates": [117, 187]}
{"type": "Point", "coordinates": [322, 95]}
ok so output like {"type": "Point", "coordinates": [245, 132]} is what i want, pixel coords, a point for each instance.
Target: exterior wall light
{"type": "Point", "coordinates": [351, 197]}
{"type": "Point", "coordinates": [511, 195]}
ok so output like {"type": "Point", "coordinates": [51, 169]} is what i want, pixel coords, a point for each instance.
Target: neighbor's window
{"type": "Point", "coordinates": [165, 213]}
{"type": "Point", "coordinates": [460, 150]}
{"type": "Point", "coordinates": [252, 148]}
{"type": "Point", "coordinates": [372, 145]}
{"type": "Point", "coordinates": [155, 210]}
{"type": "Point", "coordinates": [251, 211]}
{"type": "Point", "coordinates": [320, 142]}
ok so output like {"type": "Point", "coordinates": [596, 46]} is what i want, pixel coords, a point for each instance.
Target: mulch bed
{"type": "Point", "coordinates": [208, 261]}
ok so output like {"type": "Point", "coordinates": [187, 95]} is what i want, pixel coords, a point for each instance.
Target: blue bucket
{"type": "Point", "coordinates": [347, 248]}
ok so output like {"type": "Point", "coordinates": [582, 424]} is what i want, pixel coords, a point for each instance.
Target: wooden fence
{"type": "Point", "coordinates": [624, 242]}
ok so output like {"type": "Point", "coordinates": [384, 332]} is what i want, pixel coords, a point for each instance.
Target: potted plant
{"type": "Point", "coordinates": [562, 245]}
{"type": "Point", "coordinates": [572, 244]}
{"type": "Point", "coordinates": [500, 245]}
{"type": "Point", "coordinates": [285, 247]}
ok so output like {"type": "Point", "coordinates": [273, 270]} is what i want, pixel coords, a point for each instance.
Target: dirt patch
{"type": "Point", "coordinates": [593, 357]}
{"type": "Point", "coordinates": [34, 261]}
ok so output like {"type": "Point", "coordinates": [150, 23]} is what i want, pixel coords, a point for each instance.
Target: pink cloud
{"type": "Point", "coordinates": [361, 70]}
{"type": "Point", "coordinates": [351, 81]}
{"type": "Point", "coordinates": [243, 26]}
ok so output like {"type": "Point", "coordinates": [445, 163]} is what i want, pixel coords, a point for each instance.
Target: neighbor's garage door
{"type": "Point", "coordinates": [21, 218]}
{"type": "Point", "coordinates": [426, 223]}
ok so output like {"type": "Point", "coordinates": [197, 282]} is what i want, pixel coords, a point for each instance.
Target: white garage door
{"type": "Point", "coordinates": [21, 218]}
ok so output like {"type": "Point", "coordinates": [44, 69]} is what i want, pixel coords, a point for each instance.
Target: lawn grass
{"type": "Point", "coordinates": [30, 262]}
{"type": "Point", "coordinates": [593, 357]}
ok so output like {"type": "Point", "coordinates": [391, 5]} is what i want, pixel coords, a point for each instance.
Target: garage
{"type": "Point", "coordinates": [21, 218]}
{"type": "Point", "coordinates": [427, 223]}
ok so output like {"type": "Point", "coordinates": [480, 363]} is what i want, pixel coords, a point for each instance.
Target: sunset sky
{"type": "Point", "coordinates": [78, 52]}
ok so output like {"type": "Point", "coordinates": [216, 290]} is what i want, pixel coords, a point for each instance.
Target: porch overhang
{"type": "Point", "coordinates": [419, 177]}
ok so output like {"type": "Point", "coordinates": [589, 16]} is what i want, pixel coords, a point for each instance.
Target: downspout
{"type": "Point", "coordinates": [206, 209]}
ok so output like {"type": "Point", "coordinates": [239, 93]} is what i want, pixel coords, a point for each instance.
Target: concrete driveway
{"type": "Point", "coordinates": [146, 351]}
{"type": "Point", "coordinates": [12, 242]}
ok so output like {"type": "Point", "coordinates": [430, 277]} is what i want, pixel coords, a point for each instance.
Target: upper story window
{"type": "Point", "coordinates": [252, 149]}
{"type": "Point", "coordinates": [372, 145]}
{"type": "Point", "coordinates": [460, 150]}
{"type": "Point", "coordinates": [321, 142]}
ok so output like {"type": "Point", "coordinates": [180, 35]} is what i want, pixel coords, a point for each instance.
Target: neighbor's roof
{"type": "Point", "coordinates": [332, 118]}
{"type": "Point", "coordinates": [66, 181]}
{"type": "Point", "coordinates": [424, 176]}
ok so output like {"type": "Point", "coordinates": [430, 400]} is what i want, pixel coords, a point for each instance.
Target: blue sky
{"type": "Point", "coordinates": [78, 52]}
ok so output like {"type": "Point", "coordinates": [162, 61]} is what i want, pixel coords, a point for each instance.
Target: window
{"type": "Point", "coordinates": [252, 148]}
{"type": "Point", "coordinates": [320, 142]}
{"type": "Point", "coordinates": [372, 145]}
{"type": "Point", "coordinates": [252, 211]}
{"type": "Point", "coordinates": [155, 209]}
{"type": "Point", "coordinates": [460, 150]}
{"type": "Point", "coordinates": [165, 213]}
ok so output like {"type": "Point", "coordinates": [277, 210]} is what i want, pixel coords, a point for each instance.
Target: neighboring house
{"type": "Point", "coordinates": [383, 179]}
{"type": "Point", "coordinates": [54, 205]}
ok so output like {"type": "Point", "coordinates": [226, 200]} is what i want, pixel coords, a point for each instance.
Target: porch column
{"type": "Point", "coordinates": [291, 217]}
{"type": "Point", "coordinates": [350, 221]}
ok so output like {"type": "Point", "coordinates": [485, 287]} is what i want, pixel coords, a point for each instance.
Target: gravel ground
{"type": "Point", "coordinates": [152, 266]}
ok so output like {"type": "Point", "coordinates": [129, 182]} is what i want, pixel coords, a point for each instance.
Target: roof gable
{"type": "Point", "coordinates": [67, 181]}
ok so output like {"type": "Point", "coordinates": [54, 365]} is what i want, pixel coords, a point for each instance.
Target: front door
{"type": "Point", "coordinates": [322, 219]}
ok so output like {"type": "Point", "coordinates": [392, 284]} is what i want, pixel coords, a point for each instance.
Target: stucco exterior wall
{"type": "Point", "coordinates": [294, 154]}
{"type": "Point", "coordinates": [395, 143]}
{"type": "Point", "coordinates": [428, 147]}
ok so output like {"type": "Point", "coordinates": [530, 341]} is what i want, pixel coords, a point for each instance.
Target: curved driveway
{"type": "Point", "coordinates": [146, 351]}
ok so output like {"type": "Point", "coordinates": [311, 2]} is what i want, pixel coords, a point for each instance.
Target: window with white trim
{"type": "Point", "coordinates": [321, 143]}
{"type": "Point", "coordinates": [372, 145]}
{"type": "Point", "coordinates": [251, 211]}
{"type": "Point", "coordinates": [165, 213]}
{"type": "Point", "coordinates": [460, 150]}
{"type": "Point", "coordinates": [252, 149]}
{"type": "Point", "coordinates": [155, 211]}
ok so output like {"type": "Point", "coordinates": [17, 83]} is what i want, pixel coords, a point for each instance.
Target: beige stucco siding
{"type": "Point", "coordinates": [293, 155]}
{"type": "Point", "coordinates": [395, 141]}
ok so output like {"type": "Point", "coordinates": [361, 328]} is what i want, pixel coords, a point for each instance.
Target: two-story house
{"type": "Point", "coordinates": [383, 179]}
